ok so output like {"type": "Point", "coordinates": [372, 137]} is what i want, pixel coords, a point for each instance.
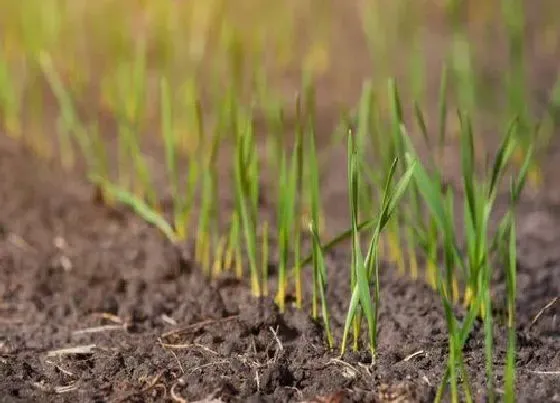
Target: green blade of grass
{"type": "Point", "coordinates": [319, 271]}
{"type": "Point", "coordinates": [317, 252]}
{"type": "Point", "coordinates": [511, 287]}
{"type": "Point", "coordinates": [359, 275]}
{"type": "Point", "coordinates": [390, 203]}
{"type": "Point", "coordinates": [503, 156]}
{"type": "Point", "coordinates": [467, 166]}
{"type": "Point", "coordinates": [264, 258]}
{"type": "Point", "coordinates": [245, 203]}
{"type": "Point", "coordinates": [204, 221]}
{"type": "Point", "coordinates": [361, 296]}
{"type": "Point", "coordinates": [140, 207]}
{"type": "Point", "coordinates": [298, 196]}
{"type": "Point", "coordinates": [170, 152]}
{"type": "Point", "coordinates": [283, 218]}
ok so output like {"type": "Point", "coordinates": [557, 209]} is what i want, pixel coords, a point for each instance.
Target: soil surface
{"type": "Point", "coordinates": [96, 306]}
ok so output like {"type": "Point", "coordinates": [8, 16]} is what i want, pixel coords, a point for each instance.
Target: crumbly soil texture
{"type": "Point", "coordinates": [96, 306]}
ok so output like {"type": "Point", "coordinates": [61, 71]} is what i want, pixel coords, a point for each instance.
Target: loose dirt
{"type": "Point", "coordinates": [96, 306]}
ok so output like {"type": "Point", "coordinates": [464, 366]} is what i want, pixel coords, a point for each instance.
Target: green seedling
{"type": "Point", "coordinates": [285, 219]}
{"type": "Point", "coordinates": [208, 218]}
{"type": "Point", "coordinates": [396, 113]}
{"type": "Point", "coordinates": [320, 282]}
{"type": "Point", "coordinates": [363, 271]}
{"type": "Point", "coordinates": [140, 207]}
{"type": "Point", "coordinates": [134, 174]}
{"type": "Point", "coordinates": [183, 196]}
{"type": "Point", "coordinates": [298, 197]}
{"type": "Point", "coordinates": [511, 282]}
{"type": "Point", "coordinates": [264, 257]}
{"type": "Point", "coordinates": [245, 195]}
{"type": "Point", "coordinates": [203, 238]}
{"type": "Point", "coordinates": [319, 269]}
{"type": "Point", "coordinates": [290, 207]}
{"type": "Point", "coordinates": [357, 267]}
{"type": "Point", "coordinates": [505, 240]}
{"type": "Point", "coordinates": [440, 205]}
{"type": "Point", "coordinates": [477, 266]}
{"type": "Point", "coordinates": [282, 219]}
{"type": "Point", "coordinates": [423, 225]}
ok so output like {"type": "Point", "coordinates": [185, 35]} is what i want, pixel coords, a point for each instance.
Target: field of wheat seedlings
{"type": "Point", "coordinates": [322, 201]}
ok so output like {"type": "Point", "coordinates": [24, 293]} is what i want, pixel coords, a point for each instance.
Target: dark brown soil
{"type": "Point", "coordinates": [149, 327]}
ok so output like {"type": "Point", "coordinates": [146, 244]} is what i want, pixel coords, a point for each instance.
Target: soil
{"type": "Point", "coordinates": [96, 306]}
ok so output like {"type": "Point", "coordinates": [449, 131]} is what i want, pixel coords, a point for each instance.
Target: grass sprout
{"type": "Point", "coordinates": [264, 256]}
{"type": "Point", "coordinates": [363, 269]}
{"type": "Point", "coordinates": [296, 217]}
{"type": "Point", "coordinates": [319, 268]}
{"type": "Point", "coordinates": [203, 238]}
{"type": "Point", "coordinates": [285, 219]}
{"type": "Point", "coordinates": [138, 205]}
{"type": "Point", "coordinates": [477, 266]}
{"type": "Point", "coordinates": [245, 163]}
{"type": "Point", "coordinates": [182, 196]}
{"type": "Point", "coordinates": [509, 376]}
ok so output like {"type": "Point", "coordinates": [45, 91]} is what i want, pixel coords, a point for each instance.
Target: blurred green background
{"type": "Point", "coordinates": [340, 42]}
